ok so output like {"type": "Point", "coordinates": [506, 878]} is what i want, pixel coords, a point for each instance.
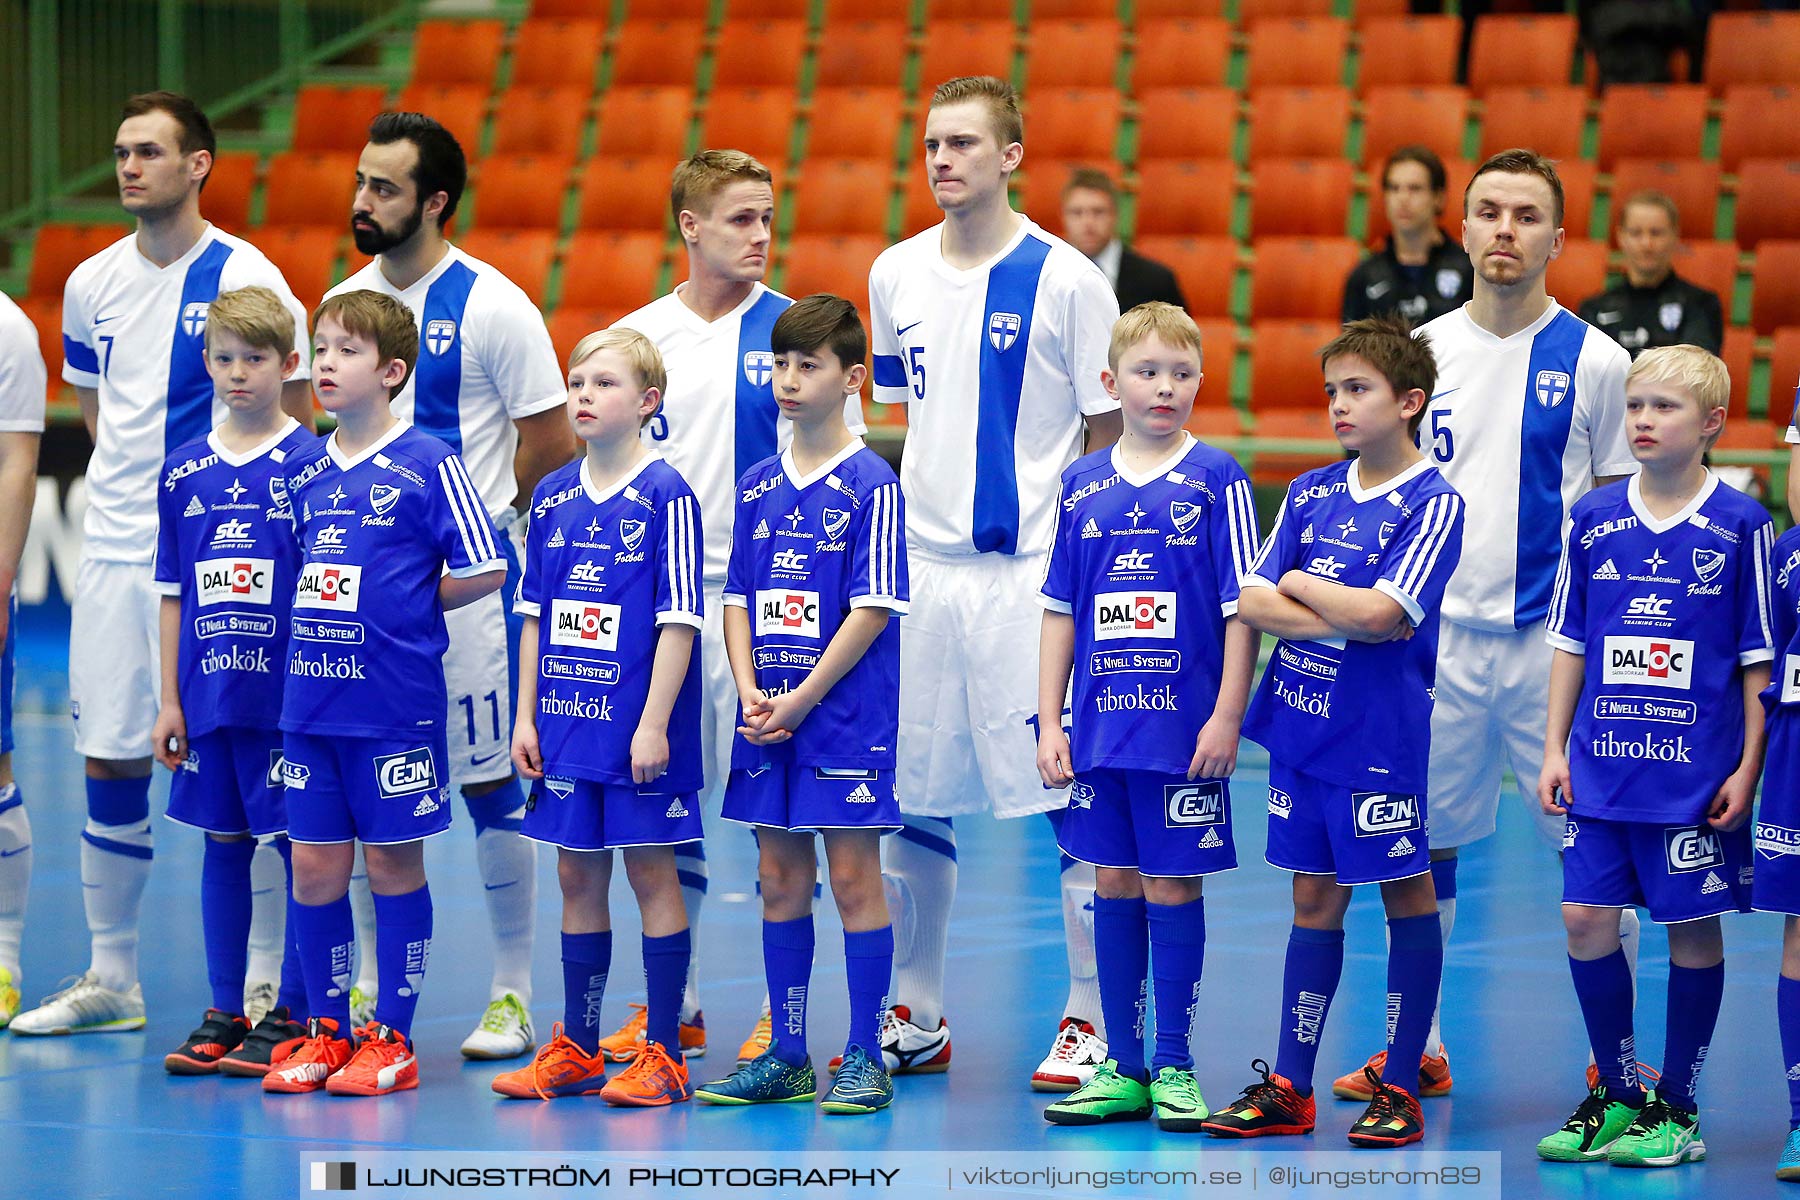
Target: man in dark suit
{"type": "Point", "coordinates": [1090, 211]}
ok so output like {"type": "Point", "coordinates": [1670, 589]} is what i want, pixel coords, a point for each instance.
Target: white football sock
{"type": "Point", "coordinates": [508, 865]}
{"type": "Point", "coordinates": [921, 882]}
{"type": "Point", "coordinates": [692, 870]}
{"type": "Point", "coordinates": [1078, 937]}
{"type": "Point", "coordinates": [15, 875]}
{"type": "Point", "coordinates": [268, 913]}
{"type": "Point", "coordinates": [115, 866]}
{"type": "Point", "coordinates": [362, 908]}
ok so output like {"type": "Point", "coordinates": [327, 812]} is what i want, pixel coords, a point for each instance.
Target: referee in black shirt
{"type": "Point", "coordinates": [1653, 306]}
{"type": "Point", "coordinates": [1422, 272]}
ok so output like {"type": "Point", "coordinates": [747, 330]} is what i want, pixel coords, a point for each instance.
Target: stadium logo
{"type": "Point", "coordinates": [336, 587]}
{"type": "Point", "coordinates": [1651, 662]}
{"type": "Point", "coordinates": [382, 497]}
{"type": "Point", "coordinates": [794, 613]}
{"type": "Point", "coordinates": [759, 367]}
{"type": "Point", "coordinates": [1381, 813]}
{"type": "Point", "coordinates": [631, 533]}
{"type": "Point", "coordinates": [835, 522]}
{"type": "Point", "coordinates": [1194, 804]}
{"type": "Point", "coordinates": [1184, 515]}
{"type": "Point", "coordinates": [1692, 850]}
{"type": "Point", "coordinates": [440, 335]}
{"type": "Point", "coordinates": [1708, 564]}
{"type": "Point", "coordinates": [405, 773]}
{"type": "Point", "coordinates": [1134, 615]}
{"type": "Point", "coordinates": [1552, 388]}
{"type": "Point", "coordinates": [193, 318]}
{"type": "Point", "coordinates": [221, 579]}
{"type": "Point", "coordinates": [1003, 330]}
{"type": "Point", "coordinates": [573, 623]}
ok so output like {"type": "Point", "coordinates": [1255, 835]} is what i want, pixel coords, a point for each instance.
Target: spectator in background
{"type": "Point", "coordinates": [1653, 306]}
{"type": "Point", "coordinates": [1090, 213]}
{"type": "Point", "coordinates": [1422, 273]}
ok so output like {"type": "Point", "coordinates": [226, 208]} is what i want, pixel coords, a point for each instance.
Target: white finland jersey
{"type": "Point", "coordinates": [23, 378]}
{"type": "Point", "coordinates": [998, 365]}
{"type": "Point", "coordinates": [136, 333]}
{"type": "Point", "coordinates": [718, 416]}
{"type": "Point", "coordinates": [485, 360]}
{"type": "Point", "coordinates": [1520, 426]}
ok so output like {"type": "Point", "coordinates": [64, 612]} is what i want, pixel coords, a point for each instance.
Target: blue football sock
{"type": "Point", "coordinates": [293, 979]}
{"type": "Point", "coordinates": [225, 919]}
{"type": "Point", "coordinates": [1603, 987]}
{"type": "Point", "coordinates": [1415, 967]}
{"type": "Point", "coordinates": [1122, 953]}
{"type": "Point", "coordinates": [1787, 1015]}
{"type": "Point", "coordinates": [665, 973]}
{"type": "Point", "coordinates": [1315, 963]}
{"type": "Point", "coordinates": [327, 937]}
{"type": "Point", "coordinates": [586, 961]}
{"type": "Point", "coordinates": [402, 947]}
{"type": "Point", "coordinates": [1177, 953]}
{"type": "Point", "coordinates": [787, 965]}
{"type": "Point", "coordinates": [868, 964]}
{"type": "Point", "coordinates": [1694, 997]}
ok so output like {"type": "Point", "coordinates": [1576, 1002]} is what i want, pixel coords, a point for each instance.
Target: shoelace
{"type": "Point", "coordinates": [889, 1033]}
{"type": "Point", "coordinates": [83, 997]}
{"type": "Point", "coordinates": [493, 1020]}
{"type": "Point", "coordinates": [858, 1071]}
{"type": "Point", "coordinates": [1069, 1044]}
{"type": "Point", "coordinates": [655, 1062]}
{"type": "Point", "coordinates": [1260, 1093]}
{"type": "Point", "coordinates": [1384, 1106]}
{"type": "Point", "coordinates": [1187, 1089]}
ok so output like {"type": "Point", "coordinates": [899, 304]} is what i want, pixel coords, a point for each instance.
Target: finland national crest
{"type": "Point", "coordinates": [440, 335]}
{"type": "Point", "coordinates": [1552, 387]}
{"type": "Point", "coordinates": [1003, 330]}
{"type": "Point", "coordinates": [382, 497]}
{"type": "Point", "coordinates": [759, 367]}
{"type": "Point", "coordinates": [1707, 564]}
{"type": "Point", "coordinates": [836, 519]}
{"type": "Point", "coordinates": [193, 318]}
{"type": "Point", "coordinates": [1448, 281]}
{"type": "Point", "coordinates": [1670, 316]}
{"type": "Point", "coordinates": [631, 533]}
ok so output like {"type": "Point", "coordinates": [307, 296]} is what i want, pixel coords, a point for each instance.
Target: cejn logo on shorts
{"type": "Point", "coordinates": [576, 623]}
{"type": "Point", "coordinates": [1656, 662]}
{"type": "Point", "coordinates": [1134, 615]}
{"type": "Point", "coordinates": [794, 613]}
{"type": "Point", "coordinates": [1379, 814]}
{"type": "Point", "coordinates": [405, 773]}
{"type": "Point", "coordinates": [335, 587]}
{"type": "Point", "coordinates": [236, 579]}
{"type": "Point", "coordinates": [1692, 850]}
{"type": "Point", "coordinates": [1193, 804]}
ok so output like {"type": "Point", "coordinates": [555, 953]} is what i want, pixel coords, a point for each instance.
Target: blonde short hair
{"type": "Point", "coordinates": [379, 318]}
{"type": "Point", "coordinates": [256, 316]}
{"type": "Point", "coordinates": [1697, 372]}
{"type": "Point", "coordinates": [996, 94]}
{"type": "Point", "coordinates": [645, 359]}
{"type": "Point", "coordinates": [699, 180]}
{"type": "Point", "coordinates": [1153, 318]}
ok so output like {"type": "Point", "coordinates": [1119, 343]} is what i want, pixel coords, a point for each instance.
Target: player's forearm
{"type": "Point", "coordinates": [1756, 678]}
{"type": "Point", "coordinates": [89, 401]}
{"type": "Point", "coordinates": [528, 671]}
{"type": "Point", "coordinates": [846, 648]}
{"type": "Point", "coordinates": [1361, 614]}
{"type": "Point", "coordinates": [674, 647]}
{"type": "Point", "coordinates": [1056, 659]}
{"type": "Point", "coordinates": [297, 402]}
{"type": "Point", "coordinates": [737, 648]}
{"type": "Point", "coordinates": [454, 593]}
{"type": "Point", "coordinates": [545, 443]}
{"type": "Point", "coordinates": [18, 489]}
{"type": "Point", "coordinates": [1266, 609]}
{"type": "Point", "coordinates": [168, 624]}
{"type": "Point", "coordinates": [1236, 669]}
{"type": "Point", "coordinates": [1565, 692]}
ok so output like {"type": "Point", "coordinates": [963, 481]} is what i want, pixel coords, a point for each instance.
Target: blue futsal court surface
{"type": "Point", "coordinates": [96, 1116]}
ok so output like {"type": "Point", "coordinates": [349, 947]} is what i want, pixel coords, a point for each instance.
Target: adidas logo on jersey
{"type": "Point", "coordinates": [194, 508]}
{"type": "Point", "coordinates": [1713, 884]}
{"type": "Point", "coordinates": [1090, 530]}
{"type": "Point", "coordinates": [425, 806]}
{"type": "Point", "coordinates": [1794, 1072]}
{"type": "Point", "coordinates": [762, 531]}
{"type": "Point", "coordinates": [556, 540]}
{"type": "Point", "coordinates": [1402, 848]}
{"type": "Point", "coordinates": [1212, 840]}
{"type": "Point", "coordinates": [676, 809]}
{"type": "Point", "coordinates": [1607, 570]}
{"type": "Point", "coordinates": [862, 795]}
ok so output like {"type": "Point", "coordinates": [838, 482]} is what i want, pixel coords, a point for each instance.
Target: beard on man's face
{"type": "Point", "coordinates": [372, 238]}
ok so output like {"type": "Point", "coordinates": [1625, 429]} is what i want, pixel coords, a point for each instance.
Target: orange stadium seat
{"type": "Point", "coordinates": [867, 10]}
{"type": "Point", "coordinates": [657, 53]}
{"type": "Point", "coordinates": [1547, 119]}
{"type": "Point", "coordinates": [533, 120]}
{"type": "Point", "coordinates": [309, 189]}
{"type": "Point", "coordinates": [1206, 268]}
{"type": "Point", "coordinates": [1299, 122]}
{"type": "Point", "coordinates": [862, 54]}
{"type": "Point", "coordinates": [1192, 198]}
{"type": "Point", "coordinates": [1766, 200]}
{"type": "Point", "coordinates": [954, 48]}
{"type": "Point", "coordinates": [548, 52]}
{"type": "Point", "coordinates": [1300, 197]}
{"type": "Point", "coordinates": [1189, 52]}
{"type": "Point", "coordinates": [1712, 265]}
{"type": "Point", "coordinates": [758, 121]}
{"type": "Point", "coordinates": [918, 210]}
{"type": "Point", "coordinates": [521, 191]}
{"type": "Point", "coordinates": [855, 123]}
{"type": "Point", "coordinates": [1509, 50]}
{"type": "Point", "coordinates": [1284, 369]}
{"type": "Point", "coordinates": [624, 194]}
{"type": "Point", "coordinates": [1651, 121]}
{"type": "Point", "coordinates": [606, 269]}
{"type": "Point", "coordinates": [1578, 273]}
{"type": "Point", "coordinates": [1300, 278]}
{"type": "Point", "coordinates": [769, 10]}
{"type": "Point", "coordinates": [1073, 122]}
{"type": "Point", "coordinates": [686, 10]}
{"type": "Point", "coordinates": [835, 263]}
{"type": "Point", "coordinates": [1198, 122]}
{"type": "Point", "coordinates": [568, 324]}
{"type": "Point", "coordinates": [575, 10]}
{"type": "Point", "coordinates": [966, 10]}
{"type": "Point", "coordinates": [1738, 351]}
{"type": "Point", "coordinates": [1071, 54]}
{"type": "Point", "coordinates": [1039, 186]}
{"type": "Point", "coordinates": [460, 108]}
{"type": "Point", "coordinates": [645, 121]}
{"type": "Point", "coordinates": [229, 186]}
{"type": "Point", "coordinates": [1212, 420]}
{"type": "Point", "coordinates": [1759, 122]}
{"type": "Point", "coordinates": [1456, 177]}
{"type": "Point", "coordinates": [335, 118]}
{"type": "Point", "coordinates": [1406, 116]}
{"type": "Point", "coordinates": [1156, 10]}
{"type": "Point", "coordinates": [1256, 10]}
{"type": "Point", "coordinates": [759, 53]}
{"type": "Point", "coordinates": [1784, 376]}
{"type": "Point", "coordinates": [843, 195]}
{"type": "Point", "coordinates": [1075, 10]}
{"type": "Point", "coordinates": [1691, 183]}
{"type": "Point", "coordinates": [522, 255]}
{"type": "Point", "coordinates": [446, 52]}
{"type": "Point", "coordinates": [1409, 52]}
{"type": "Point", "coordinates": [1752, 47]}
{"type": "Point", "coordinates": [306, 255]}
{"type": "Point", "coordinates": [59, 248]}
{"type": "Point", "coordinates": [1273, 468]}
{"type": "Point", "coordinates": [1581, 183]}
{"type": "Point", "coordinates": [1297, 52]}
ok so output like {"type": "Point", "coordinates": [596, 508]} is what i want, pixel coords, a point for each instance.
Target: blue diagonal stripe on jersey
{"type": "Point", "coordinates": [190, 387]}
{"type": "Point", "coordinates": [756, 410]}
{"type": "Point", "coordinates": [1543, 436]}
{"type": "Point", "coordinates": [1012, 288]}
{"type": "Point", "coordinates": [437, 378]}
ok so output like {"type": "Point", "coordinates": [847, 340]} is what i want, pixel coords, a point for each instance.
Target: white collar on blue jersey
{"type": "Point", "coordinates": [1634, 494]}
{"type": "Point", "coordinates": [381, 443]}
{"type": "Point", "coordinates": [231, 459]}
{"type": "Point", "coordinates": [1353, 480]}
{"type": "Point", "coordinates": [802, 482]}
{"type": "Point", "coordinates": [1156, 472]}
{"type": "Point", "coordinates": [602, 495]}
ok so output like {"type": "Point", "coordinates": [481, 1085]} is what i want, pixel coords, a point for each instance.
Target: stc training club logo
{"type": "Point", "coordinates": [1134, 615]}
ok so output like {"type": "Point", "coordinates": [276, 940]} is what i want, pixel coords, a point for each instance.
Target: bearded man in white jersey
{"type": "Point", "coordinates": [1529, 414]}
{"type": "Point", "coordinates": [994, 333]}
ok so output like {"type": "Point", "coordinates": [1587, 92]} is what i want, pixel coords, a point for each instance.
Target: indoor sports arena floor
{"type": "Point", "coordinates": [96, 1116]}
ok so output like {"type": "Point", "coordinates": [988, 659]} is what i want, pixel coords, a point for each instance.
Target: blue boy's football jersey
{"type": "Point", "coordinates": [805, 550]}
{"type": "Point", "coordinates": [377, 532]}
{"type": "Point", "coordinates": [1149, 566]}
{"type": "Point", "coordinates": [1665, 613]}
{"type": "Point", "coordinates": [604, 571]}
{"type": "Point", "coordinates": [1358, 713]}
{"type": "Point", "coordinates": [1781, 699]}
{"type": "Point", "coordinates": [225, 545]}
